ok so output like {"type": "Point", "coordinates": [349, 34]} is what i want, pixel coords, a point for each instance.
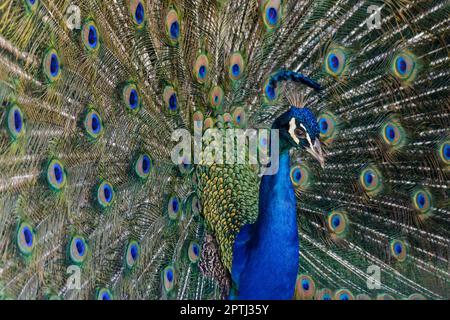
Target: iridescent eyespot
{"type": "Point", "coordinates": [300, 176]}
{"type": "Point", "coordinates": [93, 124]}
{"type": "Point", "coordinates": [197, 119]}
{"type": "Point", "coordinates": [444, 152]}
{"type": "Point", "coordinates": [15, 122]}
{"type": "Point", "coordinates": [371, 180]}
{"type": "Point", "coordinates": [343, 294]}
{"type": "Point", "coordinates": [196, 206]}
{"type": "Point", "coordinates": [170, 99]}
{"type": "Point", "coordinates": [173, 207]}
{"type": "Point", "coordinates": [404, 66]}
{"type": "Point", "coordinates": [385, 296]}
{"type": "Point", "coordinates": [201, 68]}
{"type": "Point", "coordinates": [132, 254]}
{"type": "Point", "coordinates": [216, 97]}
{"type": "Point", "coordinates": [105, 194]}
{"type": "Point", "coordinates": [56, 176]}
{"type": "Point", "coordinates": [130, 97]}
{"type": "Point", "coordinates": [270, 91]}
{"type": "Point", "coordinates": [338, 223]}
{"type": "Point", "coordinates": [336, 61]}
{"type": "Point", "coordinates": [143, 166]}
{"type": "Point", "coordinates": [52, 67]}
{"type": "Point", "coordinates": [236, 66]}
{"type": "Point", "coordinates": [416, 296]}
{"type": "Point", "coordinates": [78, 250]}
{"type": "Point", "coordinates": [194, 252]}
{"type": "Point", "coordinates": [104, 294]}
{"type": "Point", "coordinates": [173, 26]}
{"type": "Point", "coordinates": [228, 120]}
{"type": "Point", "coordinates": [263, 146]}
{"type": "Point", "coordinates": [272, 13]}
{"type": "Point", "coordinates": [327, 126]}
{"type": "Point", "coordinates": [137, 11]}
{"type": "Point", "coordinates": [168, 278]}
{"type": "Point", "coordinates": [393, 134]}
{"type": "Point", "coordinates": [305, 288]}
{"type": "Point", "coordinates": [363, 297]}
{"type": "Point", "coordinates": [422, 200]}
{"type": "Point", "coordinates": [25, 238]}
{"type": "Point", "coordinates": [90, 36]}
{"type": "Point", "coordinates": [398, 250]}
{"type": "Point", "coordinates": [31, 5]}
{"type": "Point", "coordinates": [324, 294]}
{"type": "Point", "coordinates": [239, 118]}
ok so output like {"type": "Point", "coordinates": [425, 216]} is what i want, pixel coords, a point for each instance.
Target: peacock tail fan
{"type": "Point", "coordinates": [92, 206]}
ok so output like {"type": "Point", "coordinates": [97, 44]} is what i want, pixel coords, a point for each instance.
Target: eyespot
{"type": "Point", "coordinates": [105, 194]}
{"type": "Point", "coordinates": [422, 201]}
{"type": "Point", "coordinates": [137, 11]}
{"type": "Point", "coordinates": [338, 223]}
{"type": "Point", "coordinates": [324, 294]}
{"type": "Point", "coordinates": [31, 5]}
{"type": "Point", "coordinates": [216, 97]}
{"type": "Point", "coordinates": [196, 206]}
{"type": "Point", "coordinates": [197, 118]}
{"type": "Point", "coordinates": [15, 123]}
{"type": "Point", "coordinates": [371, 180]}
{"type": "Point", "coordinates": [52, 68]}
{"type": "Point", "coordinates": [56, 176]}
{"type": "Point", "coordinates": [171, 99]}
{"type": "Point", "coordinates": [236, 66]}
{"type": "Point", "coordinates": [78, 250]}
{"type": "Point", "coordinates": [300, 176]}
{"type": "Point", "coordinates": [305, 288]}
{"type": "Point", "coordinates": [364, 297]}
{"type": "Point", "coordinates": [201, 68]}
{"type": "Point", "coordinates": [444, 152]}
{"type": "Point", "coordinates": [185, 167]}
{"type": "Point", "coordinates": [104, 294]}
{"type": "Point", "coordinates": [131, 98]}
{"type": "Point", "coordinates": [327, 126]}
{"type": "Point", "coordinates": [90, 36]}
{"type": "Point", "coordinates": [143, 166]}
{"type": "Point", "coordinates": [173, 207]}
{"type": "Point", "coordinates": [270, 91]}
{"type": "Point", "coordinates": [239, 118]}
{"type": "Point", "coordinates": [228, 120]}
{"type": "Point", "coordinates": [398, 250]}
{"type": "Point", "coordinates": [416, 296]}
{"type": "Point", "coordinates": [343, 294]}
{"type": "Point", "coordinates": [336, 62]}
{"type": "Point", "coordinates": [404, 66]}
{"type": "Point", "coordinates": [209, 123]}
{"type": "Point", "coordinates": [93, 124]}
{"type": "Point", "coordinates": [25, 238]}
{"type": "Point", "coordinates": [194, 252]}
{"type": "Point", "coordinates": [132, 256]}
{"type": "Point", "coordinates": [263, 143]}
{"type": "Point", "coordinates": [168, 278]}
{"type": "Point", "coordinates": [393, 134]}
{"type": "Point", "coordinates": [173, 26]}
{"type": "Point", "coordinates": [272, 13]}
{"type": "Point", "coordinates": [385, 296]}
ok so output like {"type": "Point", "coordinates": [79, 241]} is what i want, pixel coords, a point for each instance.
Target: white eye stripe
{"type": "Point", "coordinates": [307, 136]}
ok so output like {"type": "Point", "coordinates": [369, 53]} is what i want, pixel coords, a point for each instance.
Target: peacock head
{"type": "Point", "coordinates": [298, 128]}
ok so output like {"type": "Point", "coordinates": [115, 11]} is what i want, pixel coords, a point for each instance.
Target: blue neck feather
{"type": "Point", "coordinates": [265, 256]}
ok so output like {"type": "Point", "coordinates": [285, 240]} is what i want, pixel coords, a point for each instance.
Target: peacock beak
{"type": "Point", "coordinates": [316, 151]}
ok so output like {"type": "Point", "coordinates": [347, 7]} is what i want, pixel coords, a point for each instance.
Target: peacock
{"type": "Point", "coordinates": [93, 205]}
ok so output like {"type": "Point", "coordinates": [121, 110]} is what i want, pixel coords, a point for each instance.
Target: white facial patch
{"type": "Point", "coordinates": [307, 136]}
{"type": "Point", "coordinates": [292, 127]}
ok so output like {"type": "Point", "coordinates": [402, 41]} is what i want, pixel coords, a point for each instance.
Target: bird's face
{"type": "Point", "coordinates": [299, 129]}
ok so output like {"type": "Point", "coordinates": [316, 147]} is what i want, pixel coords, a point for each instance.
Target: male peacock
{"type": "Point", "coordinates": [92, 206]}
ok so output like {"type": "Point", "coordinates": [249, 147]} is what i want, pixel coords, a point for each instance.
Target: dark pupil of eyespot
{"type": "Point", "coordinates": [145, 164]}
{"type": "Point", "coordinates": [107, 193]}
{"type": "Point", "coordinates": [95, 123]}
